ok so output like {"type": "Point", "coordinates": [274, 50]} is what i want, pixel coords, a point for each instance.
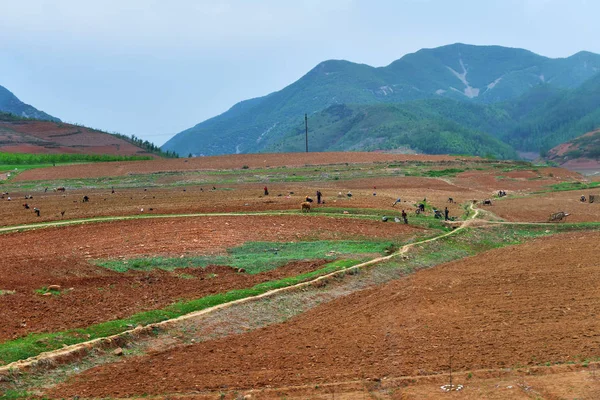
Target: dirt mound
{"type": "Point", "coordinates": [529, 304]}
{"type": "Point", "coordinates": [45, 137]}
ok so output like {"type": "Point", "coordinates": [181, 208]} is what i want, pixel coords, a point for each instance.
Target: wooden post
{"type": "Point", "coordinates": [306, 127]}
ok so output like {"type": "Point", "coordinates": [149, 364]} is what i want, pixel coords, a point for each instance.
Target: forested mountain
{"type": "Point", "coordinates": [489, 89]}
{"type": "Point", "coordinates": [424, 126]}
{"type": "Point", "coordinates": [9, 103]}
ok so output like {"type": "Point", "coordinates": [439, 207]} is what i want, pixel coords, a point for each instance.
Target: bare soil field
{"type": "Point", "coordinates": [56, 138]}
{"type": "Point", "coordinates": [237, 161]}
{"type": "Point", "coordinates": [514, 181]}
{"type": "Point", "coordinates": [233, 198]}
{"type": "Point", "coordinates": [61, 256]}
{"type": "Point", "coordinates": [537, 208]}
{"type": "Point", "coordinates": [526, 305]}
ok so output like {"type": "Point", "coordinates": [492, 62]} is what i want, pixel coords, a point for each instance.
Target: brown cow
{"type": "Point", "coordinates": [305, 206]}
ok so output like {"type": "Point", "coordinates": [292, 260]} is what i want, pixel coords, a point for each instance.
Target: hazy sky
{"type": "Point", "coordinates": [154, 67]}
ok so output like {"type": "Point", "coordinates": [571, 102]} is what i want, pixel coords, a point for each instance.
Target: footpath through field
{"type": "Point", "coordinates": [64, 353]}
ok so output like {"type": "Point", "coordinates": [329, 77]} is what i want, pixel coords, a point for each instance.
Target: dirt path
{"type": "Point", "coordinates": [527, 305]}
{"type": "Point", "coordinates": [61, 353]}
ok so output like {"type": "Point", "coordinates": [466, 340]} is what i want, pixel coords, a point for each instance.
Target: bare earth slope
{"type": "Point", "coordinates": [529, 304]}
{"type": "Point", "coordinates": [56, 137]}
{"type": "Point", "coordinates": [581, 154]}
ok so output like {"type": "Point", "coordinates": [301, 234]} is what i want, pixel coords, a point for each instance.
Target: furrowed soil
{"type": "Point", "coordinates": [44, 137]}
{"type": "Point", "coordinates": [235, 198]}
{"type": "Point", "coordinates": [61, 256]}
{"type": "Point", "coordinates": [236, 162]}
{"type": "Point", "coordinates": [538, 208]}
{"type": "Point", "coordinates": [525, 305]}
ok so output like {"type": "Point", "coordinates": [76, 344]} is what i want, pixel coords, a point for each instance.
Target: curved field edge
{"type": "Point", "coordinates": [34, 344]}
{"type": "Point", "coordinates": [356, 213]}
{"type": "Point", "coordinates": [466, 243]}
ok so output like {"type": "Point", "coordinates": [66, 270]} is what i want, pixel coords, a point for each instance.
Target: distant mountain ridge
{"type": "Point", "coordinates": [9, 103]}
{"type": "Point", "coordinates": [484, 75]}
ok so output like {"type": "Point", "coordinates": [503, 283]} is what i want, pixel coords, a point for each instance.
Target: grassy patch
{"type": "Point", "coordinates": [33, 159]}
{"type": "Point", "coordinates": [37, 343]}
{"type": "Point", "coordinates": [443, 172]}
{"type": "Point", "coordinates": [4, 292]}
{"type": "Point", "coordinates": [15, 394]}
{"type": "Point", "coordinates": [566, 186]}
{"type": "Point", "coordinates": [45, 290]}
{"type": "Point", "coordinates": [256, 257]}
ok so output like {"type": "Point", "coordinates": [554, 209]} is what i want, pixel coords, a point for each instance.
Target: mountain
{"type": "Point", "coordinates": [548, 116]}
{"type": "Point", "coordinates": [479, 75]}
{"type": "Point", "coordinates": [21, 135]}
{"type": "Point", "coordinates": [9, 103]}
{"type": "Point", "coordinates": [428, 126]}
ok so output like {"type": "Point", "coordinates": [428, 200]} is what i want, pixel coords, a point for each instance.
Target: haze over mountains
{"type": "Point", "coordinates": [484, 100]}
{"type": "Point", "coordinates": [11, 104]}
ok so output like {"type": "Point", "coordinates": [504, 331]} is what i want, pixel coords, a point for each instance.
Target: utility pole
{"type": "Point", "coordinates": [306, 126]}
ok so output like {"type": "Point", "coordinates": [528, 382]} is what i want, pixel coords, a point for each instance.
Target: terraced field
{"type": "Point", "coordinates": [209, 288]}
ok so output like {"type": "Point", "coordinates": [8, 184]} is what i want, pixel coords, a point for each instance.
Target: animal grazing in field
{"type": "Point", "coordinates": [557, 217]}
{"type": "Point", "coordinates": [450, 200]}
{"type": "Point", "coordinates": [86, 199]}
{"type": "Point", "coordinates": [487, 202]}
{"type": "Point", "coordinates": [305, 206]}
{"type": "Point", "coordinates": [60, 189]}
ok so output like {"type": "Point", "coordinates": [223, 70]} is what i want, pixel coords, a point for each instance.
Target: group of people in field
{"type": "Point", "coordinates": [306, 205]}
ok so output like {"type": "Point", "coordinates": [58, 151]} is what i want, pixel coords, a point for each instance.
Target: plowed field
{"type": "Point", "coordinates": [60, 256]}
{"type": "Point", "coordinates": [59, 138]}
{"type": "Point", "coordinates": [234, 198]}
{"type": "Point", "coordinates": [538, 208]}
{"type": "Point", "coordinates": [530, 304]}
{"type": "Point", "coordinates": [235, 162]}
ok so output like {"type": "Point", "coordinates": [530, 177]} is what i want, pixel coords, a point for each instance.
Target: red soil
{"type": "Point", "coordinates": [60, 256]}
{"type": "Point", "coordinates": [234, 161]}
{"type": "Point", "coordinates": [245, 198]}
{"type": "Point", "coordinates": [514, 181]}
{"type": "Point", "coordinates": [53, 138]}
{"type": "Point", "coordinates": [528, 304]}
{"type": "Point", "coordinates": [539, 207]}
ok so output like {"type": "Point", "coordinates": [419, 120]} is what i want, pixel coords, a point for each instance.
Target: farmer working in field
{"type": "Point", "coordinates": [404, 217]}
{"type": "Point", "coordinates": [266, 191]}
{"type": "Point", "coordinates": [446, 212]}
{"type": "Point", "coordinates": [319, 197]}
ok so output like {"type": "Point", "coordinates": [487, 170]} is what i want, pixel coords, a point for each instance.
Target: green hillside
{"type": "Point", "coordinates": [547, 117]}
{"type": "Point", "coordinates": [9, 103]}
{"type": "Point", "coordinates": [392, 126]}
{"type": "Point", "coordinates": [472, 75]}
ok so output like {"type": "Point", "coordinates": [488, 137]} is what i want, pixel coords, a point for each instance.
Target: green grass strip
{"type": "Point", "coordinates": [256, 257]}
{"type": "Point", "coordinates": [37, 343]}
{"type": "Point", "coordinates": [567, 186]}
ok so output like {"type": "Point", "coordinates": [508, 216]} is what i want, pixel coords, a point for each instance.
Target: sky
{"type": "Point", "coordinates": [153, 68]}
